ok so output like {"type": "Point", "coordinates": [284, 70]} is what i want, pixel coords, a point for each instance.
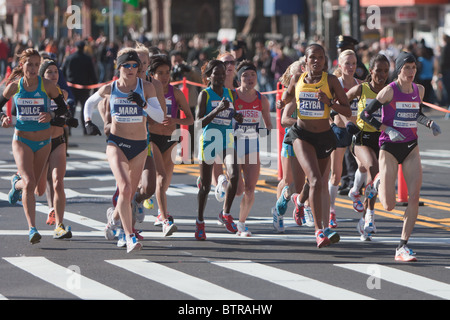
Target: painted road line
{"type": "Point", "coordinates": [180, 281]}
{"type": "Point", "coordinates": [402, 278]}
{"type": "Point", "coordinates": [291, 280]}
{"type": "Point", "coordinates": [66, 279]}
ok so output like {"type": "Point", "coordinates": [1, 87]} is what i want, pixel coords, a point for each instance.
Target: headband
{"type": "Point", "coordinates": [403, 57]}
{"type": "Point", "coordinates": [243, 69]}
{"type": "Point", "coordinates": [45, 65]}
{"type": "Point", "coordinates": [128, 56]}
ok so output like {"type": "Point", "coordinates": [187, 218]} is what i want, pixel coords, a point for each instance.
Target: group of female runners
{"type": "Point", "coordinates": [141, 110]}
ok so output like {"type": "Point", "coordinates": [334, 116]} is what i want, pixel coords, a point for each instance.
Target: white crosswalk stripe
{"type": "Point", "coordinates": [66, 279]}
{"type": "Point", "coordinates": [195, 287]}
{"type": "Point", "coordinates": [402, 278]}
{"type": "Point", "coordinates": [291, 280]}
{"type": "Point", "coordinates": [85, 288]}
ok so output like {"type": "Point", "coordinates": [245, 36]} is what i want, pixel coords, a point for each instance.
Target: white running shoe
{"type": "Point", "coordinates": [221, 188]}
{"type": "Point", "coordinates": [278, 223]}
{"type": "Point", "coordinates": [405, 254]}
{"type": "Point", "coordinates": [111, 227]}
{"type": "Point", "coordinates": [168, 228]}
{"type": "Point", "coordinates": [372, 187]}
{"type": "Point", "coordinates": [356, 198]}
{"type": "Point", "coordinates": [243, 230]}
{"type": "Point", "coordinates": [361, 230]}
{"type": "Point", "coordinates": [369, 224]}
{"type": "Point", "coordinates": [122, 240]}
{"type": "Point", "coordinates": [137, 210]}
{"type": "Point", "coordinates": [132, 243]}
{"type": "Point", "coordinates": [308, 217]}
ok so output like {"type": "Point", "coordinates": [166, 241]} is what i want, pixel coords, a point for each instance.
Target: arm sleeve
{"type": "Point", "coordinates": [90, 105]}
{"type": "Point", "coordinates": [154, 109]}
{"type": "Point", "coordinates": [366, 114]}
{"type": "Point", "coordinates": [423, 119]}
{"type": "Point", "coordinates": [3, 101]}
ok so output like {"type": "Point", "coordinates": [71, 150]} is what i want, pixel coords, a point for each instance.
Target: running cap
{"type": "Point", "coordinates": [402, 58]}
{"type": "Point", "coordinates": [128, 56]}
{"type": "Point", "coordinates": [243, 69]}
{"type": "Point", "coordinates": [44, 65]}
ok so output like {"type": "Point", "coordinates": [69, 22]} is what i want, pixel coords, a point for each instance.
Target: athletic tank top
{"type": "Point", "coordinates": [28, 106]}
{"type": "Point", "coordinates": [306, 94]}
{"type": "Point", "coordinates": [251, 112]}
{"type": "Point", "coordinates": [223, 120]}
{"type": "Point", "coordinates": [171, 103]}
{"type": "Point", "coordinates": [401, 113]}
{"type": "Point", "coordinates": [367, 95]}
{"type": "Point", "coordinates": [122, 109]}
{"type": "Point", "coordinates": [354, 102]}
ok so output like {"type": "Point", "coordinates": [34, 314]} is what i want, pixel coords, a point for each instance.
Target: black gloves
{"type": "Point", "coordinates": [136, 97]}
{"type": "Point", "coordinates": [92, 129]}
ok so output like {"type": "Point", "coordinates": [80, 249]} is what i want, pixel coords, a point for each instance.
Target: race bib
{"type": "Point", "coordinates": [126, 111]}
{"type": "Point", "coordinates": [406, 114]}
{"type": "Point", "coordinates": [222, 118]}
{"type": "Point", "coordinates": [28, 109]}
{"type": "Point", "coordinates": [310, 106]}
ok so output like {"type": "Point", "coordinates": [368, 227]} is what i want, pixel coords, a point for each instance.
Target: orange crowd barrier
{"type": "Point", "coordinates": [280, 130]}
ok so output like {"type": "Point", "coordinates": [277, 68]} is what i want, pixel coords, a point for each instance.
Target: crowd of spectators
{"type": "Point", "coordinates": [271, 58]}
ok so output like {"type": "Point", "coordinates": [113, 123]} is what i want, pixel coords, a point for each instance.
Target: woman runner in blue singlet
{"type": "Point", "coordinates": [32, 141]}
{"type": "Point", "coordinates": [131, 100]}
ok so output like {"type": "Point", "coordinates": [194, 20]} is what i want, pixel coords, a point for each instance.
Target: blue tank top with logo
{"type": "Point", "coordinates": [123, 110]}
{"type": "Point", "coordinates": [29, 104]}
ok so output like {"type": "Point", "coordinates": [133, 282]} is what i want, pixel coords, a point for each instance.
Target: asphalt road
{"type": "Point", "coordinates": [267, 266]}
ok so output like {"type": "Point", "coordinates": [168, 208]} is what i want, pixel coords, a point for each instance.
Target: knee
{"type": "Point", "coordinates": [29, 185]}
{"type": "Point", "coordinates": [125, 191]}
{"type": "Point", "coordinates": [58, 185]}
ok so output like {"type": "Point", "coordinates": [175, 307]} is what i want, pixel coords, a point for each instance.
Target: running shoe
{"type": "Point", "coordinates": [372, 187]}
{"type": "Point", "coordinates": [110, 228]}
{"type": "Point", "coordinates": [34, 236]}
{"type": "Point", "coordinates": [221, 188]}
{"type": "Point", "coordinates": [356, 198]}
{"type": "Point", "coordinates": [299, 210]}
{"type": "Point", "coordinates": [61, 232]}
{"type": "Point", "coordinates": [332, 223]}
{"type": "Point", "coordinates": [308, 219]}
{"type": "Point", "coordinates": [282, 201]}
{"type": "Point", "coordinates": [115, 197]}
{"type": "Point", "coordinates": [14, 194]}
{"type": "Point", "coordinates": [137, 211]}
{"type": "Point", "coordinates": [148, 204]}
{"type": "Point", "coordinates": [363, 235]}
{"type": "Point", "coordinates": [137, 233]}
{"type": "Point", "coordinates": [159, 220]}
{"type": "Point", "coordinates": [51, 217]}
{"type": "Point", "coordinates": [199, 182]}
{"type": "Point", "coordinates": [321, 239]}
{"type": "Point", "coordinates": [132, 243]}
{"type": "Point", "coordinates": [200, 231]}
{"type": "Point", "coordinates": [333, 236]}
{"type": "Point", "coordinates": [278, 223]}
{"type": "Point", "coordinates": [369, 224]}
{"type": "Point", "coordinates": [121, 238]}
{"type": "Point", "coordinates": [242, 230]}
{"type": "Point", "coordinates": [405, 254]}
{"type": "Point", "coordinates": [168, 228]}
{"type": "Point", "coordinates": [227, 220]}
